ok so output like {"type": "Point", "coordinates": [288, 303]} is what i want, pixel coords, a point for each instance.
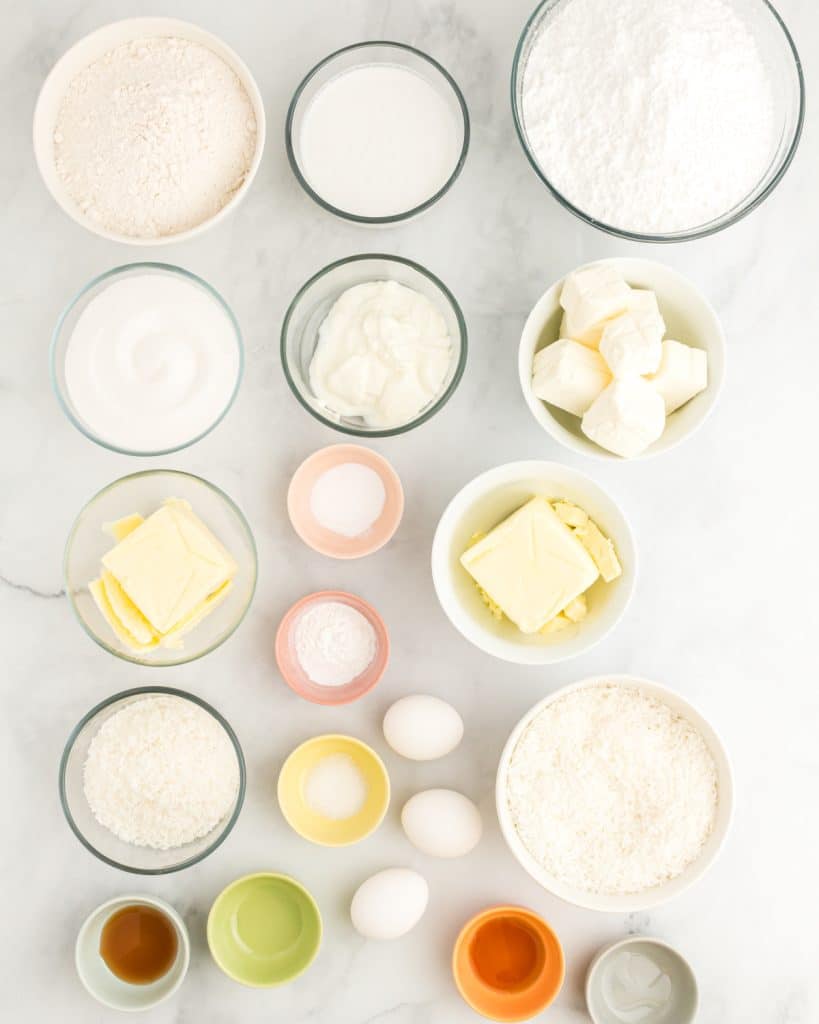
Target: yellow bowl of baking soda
{"type": "Point", "coordinates": [334, 790]}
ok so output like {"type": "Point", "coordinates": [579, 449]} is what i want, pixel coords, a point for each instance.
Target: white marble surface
{"type": "Point", "coordinates": [725, 609]}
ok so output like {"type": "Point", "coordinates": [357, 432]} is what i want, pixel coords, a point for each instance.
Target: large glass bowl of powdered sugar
{"type": "Point", "coordinates": [152, 780]}
{"type": "Point", "coordinates": [373, 345]}
{"type": "Point", "coordinates": [655, 120]}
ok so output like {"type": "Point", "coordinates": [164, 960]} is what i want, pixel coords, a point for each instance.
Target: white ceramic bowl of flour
{"type": "Point", "coordinates": [658, 894]}
{"type": "Point", "coordinates": [478, 508]}
{"type": "Point", "coordinates": [689, 318]}
{"type": "Point", "coordinates": [90, 49]}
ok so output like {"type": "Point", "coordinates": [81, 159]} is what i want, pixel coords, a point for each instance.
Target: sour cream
{"type": "Point", "coordinates": [152, 362]}
{"type": "Point", "coordinates": [384, 353]}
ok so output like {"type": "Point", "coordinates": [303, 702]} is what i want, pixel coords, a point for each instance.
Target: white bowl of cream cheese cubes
{"type": "Point", "coordinates": [622, 358]}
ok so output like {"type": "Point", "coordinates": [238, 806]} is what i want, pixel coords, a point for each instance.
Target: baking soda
{"type": "Point", "coordinates": [334, 643]}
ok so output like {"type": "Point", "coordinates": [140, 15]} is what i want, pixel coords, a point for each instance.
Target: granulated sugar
{"type": "Point", "coordinates": [154, 137]}
{"type": "Point", "coordinates": [161, 772]}
{"type": "Point", "coordinates": [611, 791]}
{"type": "Point", "coordinates": [649, 115]}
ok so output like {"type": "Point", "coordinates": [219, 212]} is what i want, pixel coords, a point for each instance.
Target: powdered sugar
{"type": "Point", "coordinates": [611, 791]}
{"type": "Point", "coordinates": [649, 115]}
{"type": "Point", "coordinates": [334, 643]}
{"type": "Point", "coordinates": [154, 137]}
{"type": "Point", "coordinates": [161, 772]}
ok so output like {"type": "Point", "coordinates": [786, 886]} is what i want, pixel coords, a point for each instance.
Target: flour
{"type": "Point", "coordinates": [649, 115]}
{"type": "Point", "coordinates": [334, 643]}
{"type": "Point", "coordinates": [155, 137]}
{"type": "Point", "coordinates": [611, 791]}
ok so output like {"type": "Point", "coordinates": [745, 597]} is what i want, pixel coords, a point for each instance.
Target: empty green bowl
{"type": "Point", "coordinates": [264, 929]}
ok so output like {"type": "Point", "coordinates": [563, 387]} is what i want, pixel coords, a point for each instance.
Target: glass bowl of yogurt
{"type": "Point", "coordinates": [373, 345]}
{"type": "Point", "coordinates": [377, 132]}
{"type": "Point", "coordinates": [146, 359]}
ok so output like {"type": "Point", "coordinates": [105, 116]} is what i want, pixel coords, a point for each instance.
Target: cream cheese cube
{"type": "Point", "coordinates": [682, 373]}
{"type": "Point", "coordinates": [589, 298]}
{"type": "Point", "coordinates": [626, 418]}
{"type": "Point", "coordinates": [631, 343]}
{"type": "Point", "coordinates": [531, 565]}
{"type": "Point", "coordinates": [643, 299]}
{"type": "Point", "coordinates": [569, 375]}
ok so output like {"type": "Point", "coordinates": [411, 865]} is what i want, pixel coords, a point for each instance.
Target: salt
{"type": "Point", "coordinates": [348, 499]}
{"type": "Point", "coordinates": [334, 643]}
{"type": "Point", "coordinates": [335, 788]}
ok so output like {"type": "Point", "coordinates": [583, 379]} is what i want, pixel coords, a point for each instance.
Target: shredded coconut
{"type": "Point", "coordinates": [649, 115]}
{"type": "Point", "coordinates": [611, 791]}
{"type": "Point", "coordinates": [154, 137]}
{"type": "Point", "coordinates": [161, 772]}
{"type": "Point", "coordinates": [334, 643]}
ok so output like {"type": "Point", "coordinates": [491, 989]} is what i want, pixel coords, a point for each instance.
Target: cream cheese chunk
{"type": "Point", "coordinates": [169, 566]}
{"type": "Point", "coordinates": [682, 373]}
{"type": "Point", "coordinates": [626, 418]}
{"type": "Point", "coordinates": [531, 565]}
{"type": "Point", "coordinates": [569, 375]}
{"type": "Point", "coordinates": [631, 343]}
{"type": "Point", "coordinates": [589, 298]}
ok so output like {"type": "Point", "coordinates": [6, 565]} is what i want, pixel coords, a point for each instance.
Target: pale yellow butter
{"type": "Point", "coordinates": [531, 565]}
{"type": "Point", "coordinates": [169, 565]}
{"type": "Point", "coordinates": [601, 550]}
{"type": "Point", "coordinates": [120, 528]}
{"type": "Point", "coordinates": [97, 591]}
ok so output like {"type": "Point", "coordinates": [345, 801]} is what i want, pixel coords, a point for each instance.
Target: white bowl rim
{"type": "Point", "coordinates": [121, 901]}
{"type": "Point", "coordinates": [159, 26]}
{"type": "Point", "coordinates": [525, 655]}
{"type": "Point", "coordinates": [540, 410]}
{"type": "Point", "coordinates": [630, 902]}
{"type": "Point", "coordinates": [607, 950]}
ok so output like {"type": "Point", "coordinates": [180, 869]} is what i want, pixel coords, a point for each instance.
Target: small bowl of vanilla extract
{"type": "Point", "coordinates": [132, 952]}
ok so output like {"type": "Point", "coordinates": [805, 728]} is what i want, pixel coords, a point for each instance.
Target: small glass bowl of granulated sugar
{"type": "Point", "coordinates": [152, 780]}
{"type": "Point", "coordinates": [192, 165]}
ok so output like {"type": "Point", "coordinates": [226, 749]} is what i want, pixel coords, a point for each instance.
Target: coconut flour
{"type": "Point", "coordinates": [155, 137]}
{"type": "Point", "coordinates": [649, 115]}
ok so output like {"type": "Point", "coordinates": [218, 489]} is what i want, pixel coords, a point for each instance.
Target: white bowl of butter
{"type": "Point", "coordinates": [689, 318]}
{"type": "Point", "coordinates": [545, 631]}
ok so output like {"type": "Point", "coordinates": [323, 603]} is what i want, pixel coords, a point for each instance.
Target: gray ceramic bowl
{"type": "Point", "coordinates": [641, 979]}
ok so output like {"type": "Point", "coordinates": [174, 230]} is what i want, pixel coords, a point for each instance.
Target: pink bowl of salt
{"type": "Point", "coordinates": [345, 501]}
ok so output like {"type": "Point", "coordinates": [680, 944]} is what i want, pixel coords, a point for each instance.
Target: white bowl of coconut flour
{"type": "Point", "coordinates": [655, 119]}
{"type": "Point", "coordinates": [148, 131]}
{"type": "Point", "coordinates": [152, 780]}
{"type": "Point", "coordinates": [614, 794]}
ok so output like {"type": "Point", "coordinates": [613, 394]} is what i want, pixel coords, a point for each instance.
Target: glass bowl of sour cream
{"type": "Point", "coordinates": [146, 359]}
{"type": "Point", "coordinates": [373, 345]}
{"type": "Point", "coordinates": [377, 132]}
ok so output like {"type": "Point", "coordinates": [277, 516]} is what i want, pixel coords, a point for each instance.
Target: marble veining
{"type": "Point", "coordinates": [725, 609]}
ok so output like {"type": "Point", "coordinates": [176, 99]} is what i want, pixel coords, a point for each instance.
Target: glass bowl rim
{"type": "Point", "coordinates": [728, 219]}
{"type": "Point", "coordinates": [393, 218]}
{"type": "Point", "coordinates": [123, 695]}
{"type": "Point", "coordinates": [439, 402]}
{"type": "Point", "coordinates": [135, 659]}
{"type": "Point", "coordinates": [114, 272]}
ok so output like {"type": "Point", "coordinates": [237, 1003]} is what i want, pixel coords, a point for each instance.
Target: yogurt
{"type": "Point", "coordinates": [152, 362]}
{"type": "Point", "coordinates": [378, 140]}
{"type": "Point", "coordinates": [384, 353]}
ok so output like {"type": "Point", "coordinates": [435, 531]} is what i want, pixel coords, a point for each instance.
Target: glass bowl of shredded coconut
{"type": "Point", "coordinates": [148, 131]}
{"type": "Point", "coordinates": [152, 780]}
{"type": "Point", "coordinates": [614, 793]}
{"type": "Point", "coordinates": [655, 120]}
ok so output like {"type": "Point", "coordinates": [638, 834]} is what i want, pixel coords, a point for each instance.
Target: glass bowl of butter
{"type": "Point", "coordinates": [373, 345]}
{"type": "Point", "coordinates": [533, 562]}
{"type": "Point", "coordinates": [160, 567]}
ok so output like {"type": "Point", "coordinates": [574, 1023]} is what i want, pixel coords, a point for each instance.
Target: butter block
{"type": "Point", "coordinates": [631, 344]}
{"type": "Point", "coordinates": [531, 565]}
{"type": "Point", "coordinates": [626, 418]}
{"type": "Point", "coordinates": [97, 591]}
{"type": "Point", "coordinates": [132, 619]}
{"type": "Point", "coordinates": [569, 375]}
{"type": "Point", "coordinates": [602, 551]}
{"type": "Point", "coordinates": [577, 609]}
{"type": "Point", "coordinates": [120, 528]}
{"type": "Point", "coordinates": [557, 624]}
{"type": "Point", "coordinates": [682, 373]}
{"type": "Point", "coordinates": [169, 565]}
{"type": "Point", "coordinates": [174, 637]}
{"type": "Point", "coordinates": [589, 298]}
{"type": "Point", "coordinates": [571, 515]}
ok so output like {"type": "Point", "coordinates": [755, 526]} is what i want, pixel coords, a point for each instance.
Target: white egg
{"type": "Point", "coordinates": [422, 728]}
{"type": "Point", "coordinates": [389, 904]}
{"type": "Point", "coordinates": [442, 823]}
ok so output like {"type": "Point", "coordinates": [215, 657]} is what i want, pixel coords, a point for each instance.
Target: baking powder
{"type": "Point", "coordinates": [334, 643]}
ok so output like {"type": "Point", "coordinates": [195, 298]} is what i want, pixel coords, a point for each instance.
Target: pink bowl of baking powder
{"type": "Point", "coordinates": [300, 504]}
{"type": "Point", "coordinates": [295, 676]}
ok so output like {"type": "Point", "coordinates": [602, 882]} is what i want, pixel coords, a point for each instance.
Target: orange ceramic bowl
{"type": "Point", "coordinates": [295, 676]}
{"type": "Point", "coordinates": [325, 541]}
{"type": "Point", "coordinates": [508, 963]}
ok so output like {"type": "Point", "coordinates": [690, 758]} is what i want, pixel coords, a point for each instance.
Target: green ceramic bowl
{"type": "Point", "coordinates": [264, 929]}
